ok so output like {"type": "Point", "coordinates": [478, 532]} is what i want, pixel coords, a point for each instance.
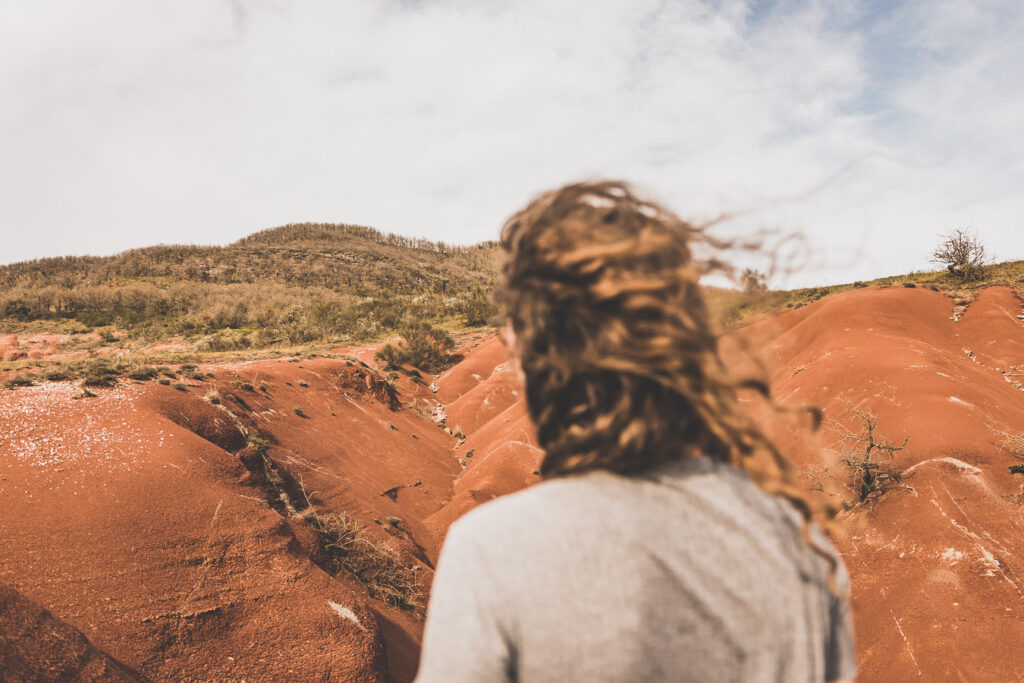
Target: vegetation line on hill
{"type": "Point", "coordinates": [308, 287]}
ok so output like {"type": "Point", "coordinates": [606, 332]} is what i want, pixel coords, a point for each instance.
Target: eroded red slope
{"type": "Point", "coordinates": [132, 517]}
{"type": "Point", "coordinates": [500, 452]}
{"type": "Point", "coordinates": [938, 563]}
{"type": "Point", "coordinates": [138, 517]}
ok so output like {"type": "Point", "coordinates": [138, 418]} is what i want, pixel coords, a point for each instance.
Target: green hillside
{"type": "Point", "coordinates": [313, 286]}
{"type": "Point", "coordinates": [289, 285]}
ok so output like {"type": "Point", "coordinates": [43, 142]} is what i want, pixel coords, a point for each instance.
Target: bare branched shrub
{"type": "Point", "coordinates": [962, 253]}
{"type": "Point", "coordinates": [868, 471]}
{"type": "Point", "coordinates": [753, 281]}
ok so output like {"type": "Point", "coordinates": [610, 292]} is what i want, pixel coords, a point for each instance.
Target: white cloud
{"type": "Point", "coordinates": [130, 123]}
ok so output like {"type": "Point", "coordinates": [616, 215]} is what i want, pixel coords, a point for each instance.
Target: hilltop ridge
{"type": "Point", "coordinates": [283, 254]}
{"type": "Point", "coordinates": [288, 285]}
{"type": "Point", "coordinates": [309, 285]}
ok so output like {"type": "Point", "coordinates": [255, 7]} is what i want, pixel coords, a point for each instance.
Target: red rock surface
{"type": "Point", "coordinates": [132, 517]}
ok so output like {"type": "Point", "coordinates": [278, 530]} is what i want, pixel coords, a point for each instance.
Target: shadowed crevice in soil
{"type": "Point", "coordinates": [403, 653]}
{"type": "Point", "coordinates": [314, 539]}
{"type": "Point", "coordinates": [37, 646]}
{"type": "Point", "coordinates": [212, 423]}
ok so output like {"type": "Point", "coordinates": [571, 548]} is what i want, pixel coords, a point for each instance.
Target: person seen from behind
{"type": "Point", "coordinates": [667, 540]}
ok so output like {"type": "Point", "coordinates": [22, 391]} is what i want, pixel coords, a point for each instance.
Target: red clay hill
{"type": "Point", "coordinates": [180, 534]}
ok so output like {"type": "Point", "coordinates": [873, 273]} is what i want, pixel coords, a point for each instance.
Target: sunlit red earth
{"type": "Point", "coordinates": [132, 530]}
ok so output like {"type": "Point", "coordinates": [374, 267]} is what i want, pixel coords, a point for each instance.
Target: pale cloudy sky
{"type": "Point", "coordinates": [870, 126]}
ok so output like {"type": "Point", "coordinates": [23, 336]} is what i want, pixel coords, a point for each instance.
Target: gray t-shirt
{"type": "Point", "coordinates": [687, 573]}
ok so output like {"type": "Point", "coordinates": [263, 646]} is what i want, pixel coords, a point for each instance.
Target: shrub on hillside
{"type": "Point", "coordinates": [426, 347]}
{"type": "Point", "coordinates": [225, 340]}
{"type": "Point", "coordinates": [100, 373]}
{"type": "Point", "coordinates": [869, 468]}
{"type": "Point", "coordinates": [57, 373]}
{"type": "Point", "coordinates": [25, 380]}
{"type": "Point", "coordinates": [753, 281]}
{"type": "Point", "coordinates": [477, 309]}
{"type": "Point", "coordinates": [390, 355]}
{"type": "Point", "coordinates": [142, 372]}
{"type": "Point", "coordinates": [430, 348]}
{"type": "Point", "coordinates": [962, 253]}
{"type": "Point", "coordinates": [377, 566]}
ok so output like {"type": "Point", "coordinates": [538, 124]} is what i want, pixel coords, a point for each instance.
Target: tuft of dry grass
{"type": "Point", "coordinates": [1011, 443]}
{"type": "Point", "coordinates": [377, 567]}
{"type": "Point", "coordinates": [25, 380]}
{"type": "Point", "coordinates": [94, 372]}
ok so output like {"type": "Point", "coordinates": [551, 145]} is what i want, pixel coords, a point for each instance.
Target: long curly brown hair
{"type": "Point", "coordinates": [618, 347]}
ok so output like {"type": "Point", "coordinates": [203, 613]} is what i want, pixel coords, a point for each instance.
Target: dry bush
{"type": "Point", "coordinates": [22, 380]}
{"type": "Point", "coordinates": [426, 347]}
{"type": "Point", "coordinates": [869, 474]}
{"type": "Point", "coordinates": [101, 374]}
{"type": "Point", "coordinates": [142, 372]}
{"type": "Point", "coordinates": [391, 355]}
{"type": "Point", "coordinates": [962, 253]}
{"type": "Point", "coordinates": [57, 373]}
{"type": "Point", "coordinates": [753, 281]}
{"type": "Point", "coordinates": [478, 309]}
{"type": "Point", "coordinates": [429, 347]}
